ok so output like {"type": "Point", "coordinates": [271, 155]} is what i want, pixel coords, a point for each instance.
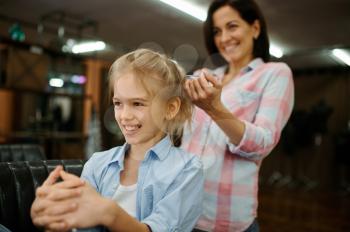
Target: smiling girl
{"type": "Point", "coordinates": [147, 184]}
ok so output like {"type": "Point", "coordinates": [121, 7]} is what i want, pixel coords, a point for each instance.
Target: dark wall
{"type": "Point", "coordinates": [305, 157]}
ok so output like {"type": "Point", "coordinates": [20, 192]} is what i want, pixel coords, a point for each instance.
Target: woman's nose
{"type": "Point", "coordinates": [225, 36]}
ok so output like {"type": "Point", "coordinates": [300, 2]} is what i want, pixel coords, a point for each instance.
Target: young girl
{"type": "Point", "coordinates": [146, 185]}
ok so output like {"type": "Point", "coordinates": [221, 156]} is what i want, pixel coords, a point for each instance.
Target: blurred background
{"type": "Point", "coordinates": [54, 61]}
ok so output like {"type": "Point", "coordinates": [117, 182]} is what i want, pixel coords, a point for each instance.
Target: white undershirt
{"type": "Point", "coordinates": [125, 196]}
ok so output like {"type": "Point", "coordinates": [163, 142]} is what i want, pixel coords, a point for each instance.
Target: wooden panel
{"type": "Point", "coordinates": [93, 89]}
{"type": "Point", "coordinates": [291, 210]}
{"type": "Point", "coordinates": [6, 104]}
{"type": "Point", "coordinates": [26, 70]}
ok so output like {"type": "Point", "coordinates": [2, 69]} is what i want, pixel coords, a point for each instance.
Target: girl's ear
{"type": "Point", "coordinates": [173, 108]}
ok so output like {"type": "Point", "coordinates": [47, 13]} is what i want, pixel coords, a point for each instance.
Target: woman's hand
{"type": "Point", "coordinates": [205, 91]}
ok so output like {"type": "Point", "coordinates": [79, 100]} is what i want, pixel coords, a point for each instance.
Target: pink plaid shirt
{"type": "Point", "coordinates": [263, 97]}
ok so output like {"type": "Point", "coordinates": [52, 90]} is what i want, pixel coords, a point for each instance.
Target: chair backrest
{"type": "Point", "coordinates": [21, 152]}
{"type": "Point", "coordinates": [18, 181]}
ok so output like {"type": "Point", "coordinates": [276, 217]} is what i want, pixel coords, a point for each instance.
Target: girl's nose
{"type": "Point", "coordinates": [126, 113]}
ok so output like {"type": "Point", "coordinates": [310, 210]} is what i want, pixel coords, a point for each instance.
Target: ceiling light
{"type": "Point", "coordinates": [56, 82]}
{"type": "Point", "coordinates": [88, 47]}
{"type": "Point", "coordinates": [78, 79]}
{"type": "Point", "coordinates": [342, 55]}
{"type": "Point", "coordinates": [275, 51]}
{"type": "Point", "coordinates": [188, 8]}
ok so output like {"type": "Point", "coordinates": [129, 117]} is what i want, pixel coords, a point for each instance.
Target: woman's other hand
{"type": "Point", "coordinates": [205, 91]}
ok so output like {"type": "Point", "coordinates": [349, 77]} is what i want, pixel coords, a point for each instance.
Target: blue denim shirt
{"type": "Point", "coordinates": [169, 186]}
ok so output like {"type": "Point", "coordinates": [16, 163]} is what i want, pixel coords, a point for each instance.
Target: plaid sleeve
{"type": "Point", "coordinates": [276, 103]}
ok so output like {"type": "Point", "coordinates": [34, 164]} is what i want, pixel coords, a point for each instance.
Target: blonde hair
{"type": "Point", "coordinates": [161, 77]}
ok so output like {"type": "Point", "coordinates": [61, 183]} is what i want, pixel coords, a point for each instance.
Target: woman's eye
{"type": "Point", "coordinates": [215, 32]}
{"type": "Point", "coordinates": [116, 104]}
{"type": "Point", "coordinates": [231, 26]}
{"type": "Point", "coordinates": [138, 104]}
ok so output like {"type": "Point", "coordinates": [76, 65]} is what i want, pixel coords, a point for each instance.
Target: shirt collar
{"type": "Point", "coordinates": [160, 150]}
{"type": "Point", "coordinates": [251, 65]}
{"type": "Point", "coordinates": [118, 157]}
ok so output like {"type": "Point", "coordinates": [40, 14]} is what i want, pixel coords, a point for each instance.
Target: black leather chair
{"type": "Point", "coordinates": [21, 152]}
{"type": "Point", "coordinates": [18, 181]}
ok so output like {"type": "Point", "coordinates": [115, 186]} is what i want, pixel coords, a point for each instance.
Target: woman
{"type": "Point", "coordinates": [242, 107]}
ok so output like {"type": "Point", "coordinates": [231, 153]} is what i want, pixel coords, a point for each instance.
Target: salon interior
{"type": "Point", "coordinates": [54, 63]}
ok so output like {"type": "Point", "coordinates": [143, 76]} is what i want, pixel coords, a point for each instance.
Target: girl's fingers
{"type": "Point", "coordinates": [71, 183]}
{"type": "Point", "coordinates": [42, 191]}
{"type": "Point", "coordinates": [62, 194]}
{"type": "Point", "coordinates": [45, 220]}
{"type": "Point", "coordinates": [62, 190]}
{"type": "Point", "coordinates": [67, 176]}
{"type": "Point", "coordinates": [62, 208]}
{"type": "Point", "coordinates": [37, 207]}
{"type": "Point", "coordinates": [53, 176]}
{"type": "Point", "coordinates": [58, 226]}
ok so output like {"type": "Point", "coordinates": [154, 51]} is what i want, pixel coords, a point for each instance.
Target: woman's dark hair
{"type": "Point", "coordinates": [249, 12]}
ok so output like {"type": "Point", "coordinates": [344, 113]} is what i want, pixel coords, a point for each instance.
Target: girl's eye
{"type": "Point", "coordinates": [138, 104]}
{"type": "Point", "coordinates": [116, 104]}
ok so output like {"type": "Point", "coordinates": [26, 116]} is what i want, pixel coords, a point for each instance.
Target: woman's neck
{"type": "Point", "coordinates": [237, 65]}
{"type": "Point", "coordinates": [233, 69]}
